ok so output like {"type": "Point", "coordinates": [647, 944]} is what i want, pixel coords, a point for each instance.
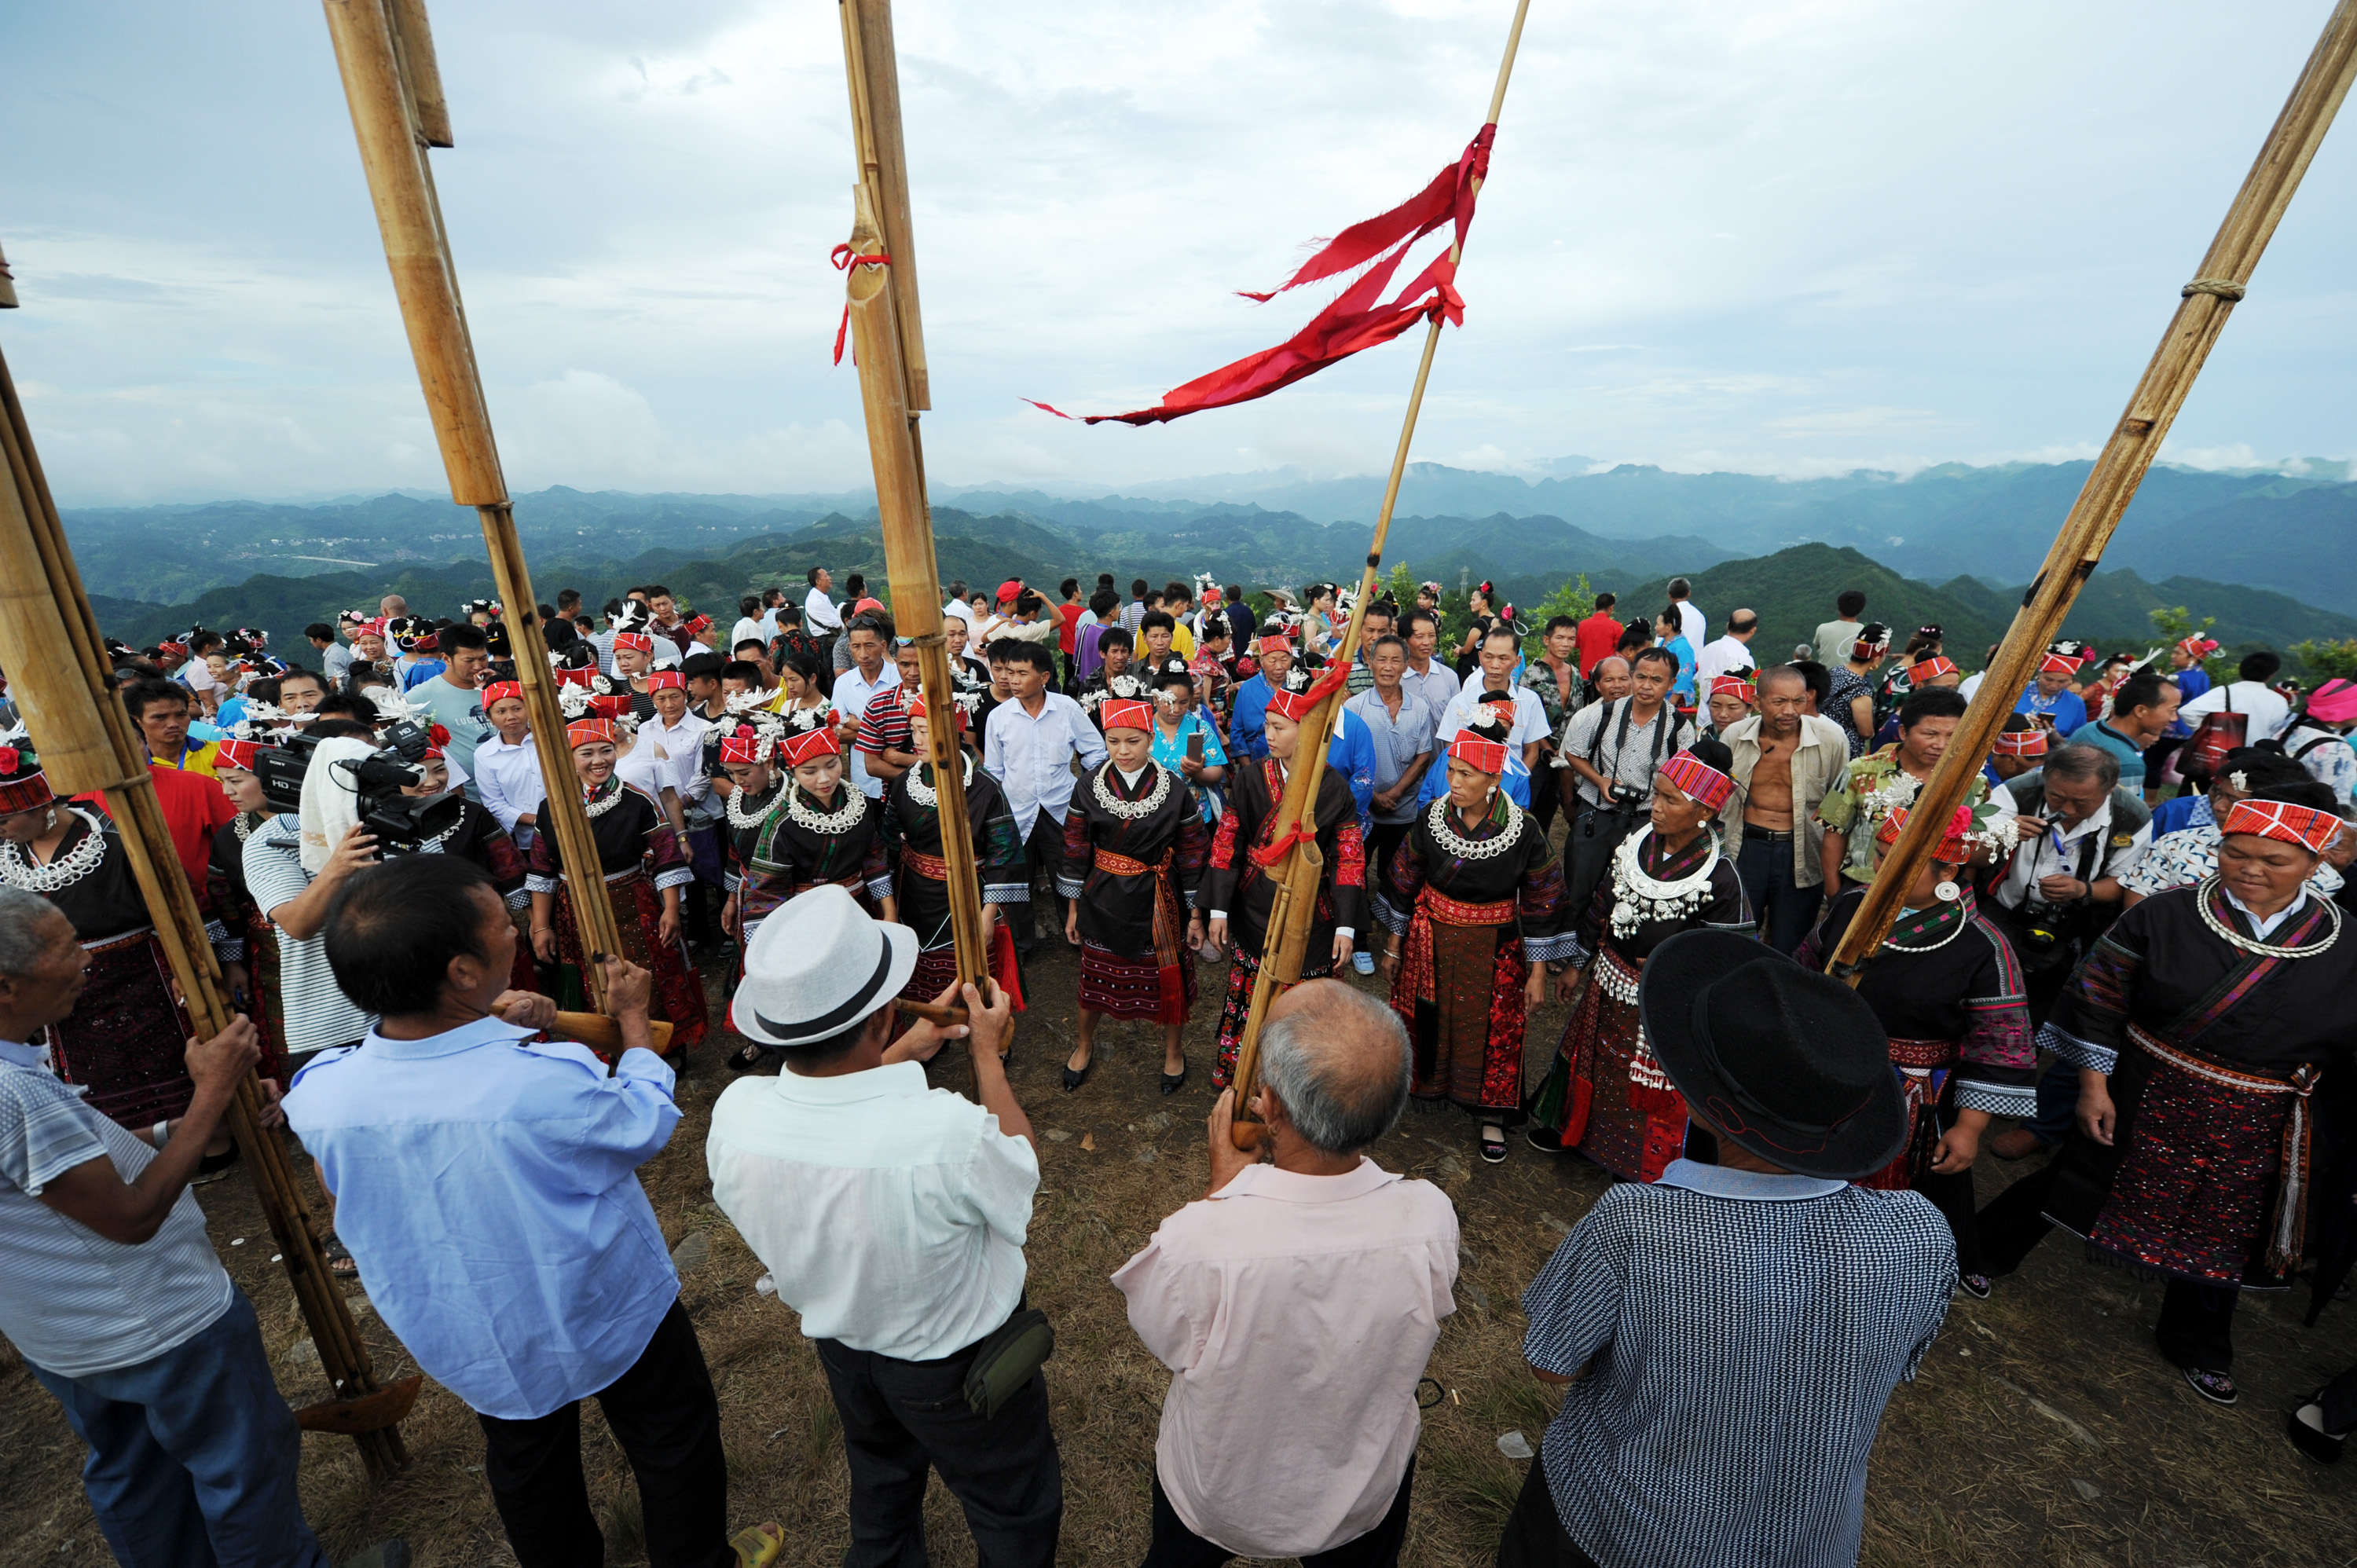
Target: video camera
{"type": "Point", "coordinates": [401, 823]}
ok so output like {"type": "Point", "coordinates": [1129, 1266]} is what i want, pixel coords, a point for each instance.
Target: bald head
{"type": "Point", "coordinates": [1336, 1061]}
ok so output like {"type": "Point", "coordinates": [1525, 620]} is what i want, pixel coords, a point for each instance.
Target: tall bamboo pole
{"type": "Point", "coordinates": [1293, 909]}
{"type": "Point", "coordinates": [2201, 310]}
{"type": "Point", "coordinates": [51, 646]}
{"type": "Point", "coordinates": [394, 89]}
{"type": "Point", "coordinates": [888, 346]}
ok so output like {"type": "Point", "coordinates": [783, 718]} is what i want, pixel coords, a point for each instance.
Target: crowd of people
{"type": "Point", "coordinates": [2125, 948]}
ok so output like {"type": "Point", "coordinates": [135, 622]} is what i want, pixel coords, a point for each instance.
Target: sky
{"type": "Point", "coordinates": [1787, 236]}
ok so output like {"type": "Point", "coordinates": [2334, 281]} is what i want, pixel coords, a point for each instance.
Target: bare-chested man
{"type": "Point", "coordinates": [1786, 760]}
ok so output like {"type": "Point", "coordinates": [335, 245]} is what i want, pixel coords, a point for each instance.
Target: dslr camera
{"type": "Point", "coordinates": [1627, 797]}
{"type": "Point", "coordinates": [401, 825]}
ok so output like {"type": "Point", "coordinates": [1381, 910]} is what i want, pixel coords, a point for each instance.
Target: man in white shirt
{"type": "Point", "coordinates": [2079, 833]}
{"type": "Point", "coordinates": [1691, 620]}
{"type": "Point", "coordinates": [2270, 713]}
{"type": "Point", "coordinates": [111, 1292]}
{"type": "Point", "coordinates": [1030, 743]}
{"type": "Point", "coordinates": [1313, 1283]}
{"type": "Point", "coordinates": [748, 622]}
{"type": "Point", "coordinates": [892, 1217]}
{"type": "Point", "coordinates": [869, 673]}
{"type": "Point", "coordinates": [1501, 651]}
{"type": "Point", "coordinates": [1731, 653]}
{"type": "Point", "coordinates": [819, 617]}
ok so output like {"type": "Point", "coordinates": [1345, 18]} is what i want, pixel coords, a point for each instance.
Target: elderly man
{"type": "Point", "coordinates": [486, 1181]}
{"type": "Point", "coordinates": [892, 1216]}
{"type": "Point", "coordinates": [1313, 1283]}
{"type": "Point", "coordinates": [110, 1290]}
{"type": "Point", "coordinates": [1786, 762]}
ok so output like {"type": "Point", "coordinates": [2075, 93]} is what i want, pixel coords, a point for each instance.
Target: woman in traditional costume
{"type": "Point", "coordinates": [1949, 992]}
{"type": "Point", "coordinates": [825, 832]}
{"type": "Point", "coordinates": [913, 821]}
{"type": "Point", "coordinates": [1472, 898]}
{"type": "Point", "coordinates": [126, 1039]}
{"type": "Point", "coordinates": [645, 867]}
{"type": "Point", "coordinates": [2200, 1025]}
{"type": "Point", "coordinates": [1606, 1096]}
{"type": "Point", "coordinates": [1134, 849]}
{"type": "Point", "coordinates": [468, 829]}
{"type": "Point", "coordinates": [1238, 890]}
{"type": "Point", "coordinates": [243, 940]}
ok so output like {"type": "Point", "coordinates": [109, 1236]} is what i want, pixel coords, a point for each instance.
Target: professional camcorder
{"type": "Point", "coordinates": [401, 825]}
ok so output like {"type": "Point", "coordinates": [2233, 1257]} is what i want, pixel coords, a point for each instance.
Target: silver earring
{"type": "Point", "coordinates": [50, 819]}
{"type": "Point", "coordinates": [1947, 892]}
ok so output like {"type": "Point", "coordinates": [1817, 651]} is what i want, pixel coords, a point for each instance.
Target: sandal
{"type": "Point", "coordinates": [746, 1059]}
{"type": "Point", "coordinates": [2306, 1429]}
{"type": "Point", "coordinates": [340, 1263]}
{"type": "Point", "coordinates": [1973, 1285]}
{"type": "Point", "coordinates": [2215, 1387]}
{"type": "Point", "coordinates": [1494, 1145]}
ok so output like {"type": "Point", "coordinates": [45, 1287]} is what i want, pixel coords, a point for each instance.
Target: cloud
{"type": "Point", "coordinates": [1798, 234]}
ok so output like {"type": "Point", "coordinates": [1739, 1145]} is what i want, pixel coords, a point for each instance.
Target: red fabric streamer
{"type": "Point", "coordinates": [1359, 317]}
{"type": "Point", "coordinates": [1304, 831]}
{"type": "Point", "coordinates": [842, 259]}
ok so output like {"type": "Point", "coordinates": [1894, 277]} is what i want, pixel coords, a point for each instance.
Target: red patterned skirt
{"type": "Point", "coordinates": [1242, 968]}
{"type": "Point", "coordinates": [1160, 989]}
{"type": "Point", "coordinates": [1460, 992]}
{"type": "Point", "coordinates": [268, 1008]}
{"type": "Point", "coordinates": [1605, 1094]}
{"type": "Point", "coordinates": [936, 967]}
{"type": "Point", "coordinates": [2209, 1169]}
{"type": "Point", "coordinates": [637, 912]}
{"type": "Point", "coordinates": [127, 1040]}
{"type": "Point", "coordinates": [1924, 1068]}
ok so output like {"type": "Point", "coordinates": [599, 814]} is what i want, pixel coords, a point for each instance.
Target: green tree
{"type": "Point", "coordinates": [1575, 599]}
{"type": "Point", "coordinates": [2329, 659]}
{"type": "Point", "coordinates": [1400, 587]}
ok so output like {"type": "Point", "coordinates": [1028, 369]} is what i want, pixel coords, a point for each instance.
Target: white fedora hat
{"type": "Point", "coordinates": [818, 967]}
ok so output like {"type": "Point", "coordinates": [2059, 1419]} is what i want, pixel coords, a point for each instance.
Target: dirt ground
{"type": "Point", "coordinates": [2045, 1429]}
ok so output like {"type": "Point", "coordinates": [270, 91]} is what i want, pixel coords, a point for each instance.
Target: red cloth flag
{"type": "Point", "coordinates": [1359, 317]}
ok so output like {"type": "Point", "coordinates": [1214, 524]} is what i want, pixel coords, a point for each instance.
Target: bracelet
{"type": "Point", "coordinates": [161, 1133]}
{"type": "Point", "coordinates": [544, 930]}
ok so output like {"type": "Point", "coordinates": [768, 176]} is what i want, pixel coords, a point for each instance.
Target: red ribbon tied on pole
{"type": "Point", "coordinates": [844, 261]}
{"type": "Point", "coordinates": [1358, 317]}
{"type": "Point", "coordinates": [1305, 830]}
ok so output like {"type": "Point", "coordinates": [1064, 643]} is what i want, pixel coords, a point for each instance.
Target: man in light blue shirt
{"type": "Point", "coordinates": [484, 1182]}
{"type": "Point", "coordinates": [1030, 743]}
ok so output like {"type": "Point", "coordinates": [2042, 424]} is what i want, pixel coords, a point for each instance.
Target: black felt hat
{"type": "Point", "coordinates": [1790, 1063]}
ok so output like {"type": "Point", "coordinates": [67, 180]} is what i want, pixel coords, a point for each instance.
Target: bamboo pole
{"type": "Point", "coordinates": [393, 87]}
{"type": "Point", "coordinates": [1291, 911]}
{"type": "Point", "coordinates": [889, 352]}
{"type": "Point", "coordinates": [51, 645]}
{"type": "Point", "coordinates": [2201, 310]}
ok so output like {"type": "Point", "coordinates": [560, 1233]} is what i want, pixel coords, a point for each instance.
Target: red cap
{"type": "Point", "coordinates": [1008, 589]}
{"type": "Point", "coordinates": [2312, 830]}
{"type": "Point", "coordinates": [1953, 850]}
{"type": "Point", "coordinates": [2058, 664]}
{"type": "Point", "coordinates": [1295, 705]}
{"type": "Point", "coordinates": [666, 681]}
{"type": "Point", "coordinates": [501, 691]}
{"type": "Point", "coordinates": [1481, 755]}
{"type": "Point", "coordinates": [1273, 642]}
{"type": "Point", "coordinates": [916, 710]}
{"type": "Point", "coordinates": [643, 641]}
{"type": "Point", "coordinates": [1128, 712]}
{"type": "Point", "coordinates": [1931, 669]}
{"type": "Point", "coordinates": [744, 748]}
{"type": "Point", "coordinates": [2019, 743]}
{"type": "Point", "coordinates": [1734, 686]}
{"type": "Point", "coordinates": [798, 749]}
{"type": "Point", "coordinates": [583, 676]}
{"type": "Point", "coordinates": [1703, 784]}
{"type": "Point", "coordinates": [588, 732]}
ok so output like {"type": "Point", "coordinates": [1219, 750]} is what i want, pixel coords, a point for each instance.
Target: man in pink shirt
{"type": "Point", "coordinates": [1312, 1284]}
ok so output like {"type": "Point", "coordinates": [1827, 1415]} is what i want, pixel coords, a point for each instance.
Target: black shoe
{"type": "Point", "coordinates": [2306, 1429]}
{"type": "Point", "coordinates": [1075, 1077]}
{"type": "Point", "coordinates": [2215, 1387]}
{"type": "Point", "coordinates": [1973, 1285]}
{"type": "Point", "coordinates": [1494, 1145]}
{"type": "Point", "coordinates": [1172, 1084]}
{"type": "Point", "coordinates": [746, 1059]}
{"type": "Point", "coordinates": [1545, 1138]}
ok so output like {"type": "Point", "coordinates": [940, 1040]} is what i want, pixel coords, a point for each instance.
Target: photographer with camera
{"type": "Point", "coordinates": [296, 862]}
{"type": "Point", "coordinates": [2078, 833]}
{"type": "Point", "coordinates": [1609, 751]}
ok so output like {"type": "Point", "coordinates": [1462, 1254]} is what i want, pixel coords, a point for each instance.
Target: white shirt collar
{"type": "Point", "coordinates": [450, 1042]}
{"type": "Point", "coordinates": [894, 1080]}
{"type": "Point", "coordinates": [1720, 1181]}
{"type": "Point", "coordinates": [2262, 925]}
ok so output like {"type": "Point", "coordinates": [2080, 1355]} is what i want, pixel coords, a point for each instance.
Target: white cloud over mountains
{"type": "Point", "coordinates": [1792, 237]}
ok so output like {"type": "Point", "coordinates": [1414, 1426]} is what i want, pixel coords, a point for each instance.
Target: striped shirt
{"type": "Point", "coordinates": [317, 1011]}
{"type": "Point", "coordinates": [72, 1302]}
{"type": "Point", "coordinates": [1740, 1334]}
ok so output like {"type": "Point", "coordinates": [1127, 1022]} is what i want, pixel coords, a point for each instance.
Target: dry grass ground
{"type": "Point", "coordinates": [2044, 1429]}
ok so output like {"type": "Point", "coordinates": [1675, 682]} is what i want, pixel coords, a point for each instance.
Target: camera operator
{"type": "Point", "coordinates": [2079, 831]}
{"type": "Point", "coordinates": [1610, 750]}
{"type": "Point", "coordinates": [295, 863]}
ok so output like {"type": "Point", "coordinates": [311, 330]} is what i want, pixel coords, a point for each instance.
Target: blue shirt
{"type": "Point", "coordinates": [2065, 707]}
{"type": "Point", "coordinates": [1515, 781]}
{"type": "Point", "coordinates": [1353, 756]}
{"type": "Point", "coordinates": [1170, 750]}
{"type": "Point", "coordinates": [1684, 685]}
{"type": "Point", "coordinates": [1247, 720]}
{"type": "Point", "coordinates": [486, 1185]}
{"type": "Point", "coordinates": [2190, 684]}
{"type": "Point", "coordinates": [1741, 1333]}
{"type": "Point", "coordinates": [2104, 738]}
{"type": "Point", "coordinates": [2184, 811]}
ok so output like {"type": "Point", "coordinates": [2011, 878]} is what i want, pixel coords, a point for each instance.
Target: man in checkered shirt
{"type": "Point", "coordinates": [1727, 1337]}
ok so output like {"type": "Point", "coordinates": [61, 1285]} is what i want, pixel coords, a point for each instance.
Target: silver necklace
{"type": "Point", "coordinates": [1638, 897]}
{"type": "Point", "coordinates": [18, 869]}
{"type": "Point", "coordinates": [1437, 823]}
{"type": "Point", "coordinates": [826, 824]}
{"type": "Point", "coordinates": [597, 806]}
{"type": "Point", "coordinates": [2235, 939]}
{"type": "Point", "coordinates": [1131, 810]}
{"type": "Point", "coordinates": [243, 824]}
{"type": "Point", "coordinates": [1929, 947]}
{"type": "Point", "coordinates": [745, 822]}
{"type": "Point", "coordinates": [925, 794]}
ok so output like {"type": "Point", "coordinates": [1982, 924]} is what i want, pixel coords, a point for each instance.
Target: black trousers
{"type": "Point", "coordinates": [1546, 796]}
{"type": "Point", "coordinates": [1785, 909]}
{"type": "Point", "coordinates": [1384, 840]}
{"type": "Point", "coordinates": [1534, 1536]}
{"type": "Point", "coordinates": [664, 1413]}
{"type": "Point", "coordinates": [2341, 1402]}
{"type": "Point", "coordinates": [1951, 1195]}
{"type": "Point", "coordinates": [901, 1419]}
{"type": "Point", "coordinates": [2196, 1327]}
{"type": "Point", "coordinates": [1043, 855]}
{"type": "Point", "coordinates": [1587, 851]}
{"type": "Point", "coordinates": [1176, 1546]}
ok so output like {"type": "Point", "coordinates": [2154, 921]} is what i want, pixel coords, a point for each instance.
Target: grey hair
{"type": "Point", "coordinates": [2081, 762]}
{"type": "Point", "coordinates": [1315, 1058]}
{"type": "Point", "coordinates": [22, 941]}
